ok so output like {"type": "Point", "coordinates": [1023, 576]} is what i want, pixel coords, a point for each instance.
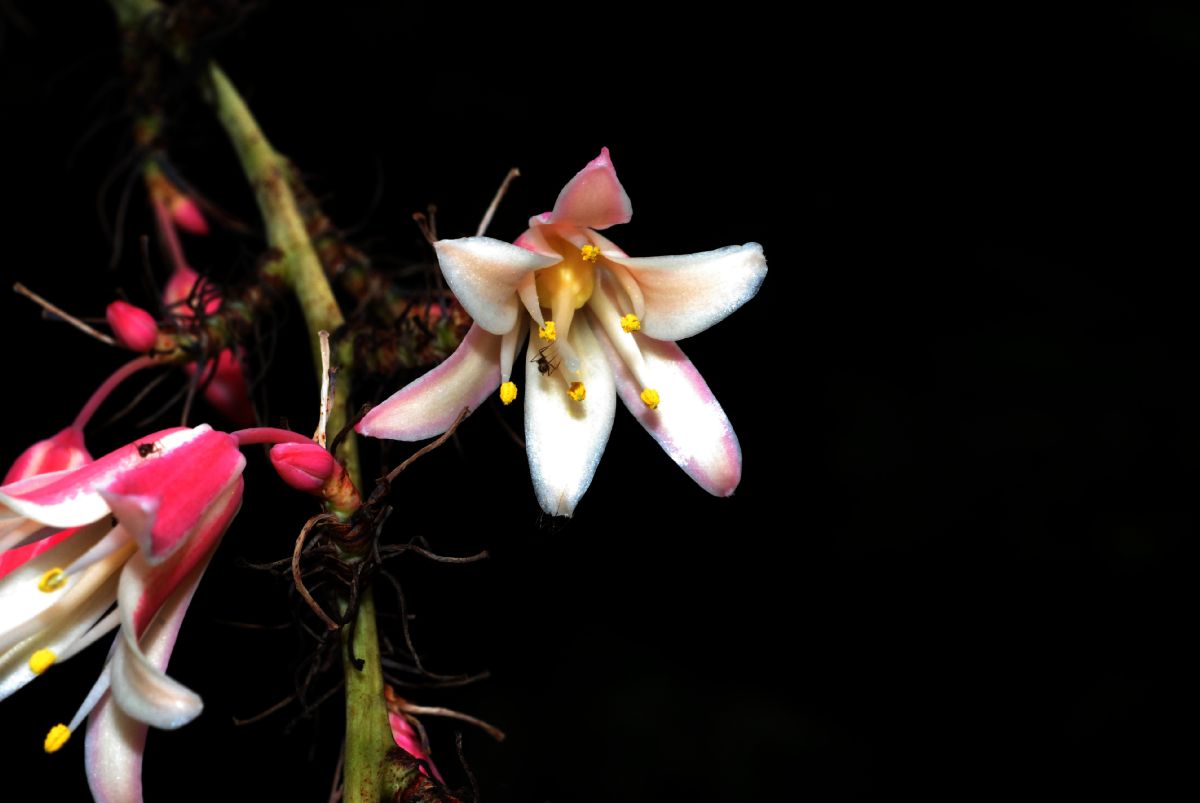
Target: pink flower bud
{"type": "Point", "coordinates": [407, 740]}
{"type": "Point", "coordinates": [304, 466]}
{"type": "Point", "coordinates": [187, 215]}
{"type": "Point", "coordinates": [134, 328]}
{"type": "Point", "coordinates": [179, 291]}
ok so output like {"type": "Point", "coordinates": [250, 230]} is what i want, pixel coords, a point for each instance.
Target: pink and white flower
{"type": "Point", "coordinates": [600, 324]}
{"type": "Point", "coordinates": [135, 528]}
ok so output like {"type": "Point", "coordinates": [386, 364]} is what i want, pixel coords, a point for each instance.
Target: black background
{"type": "Point", "coordinates": [966, 394]}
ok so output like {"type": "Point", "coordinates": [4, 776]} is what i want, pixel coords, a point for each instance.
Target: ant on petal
{"type": "Point", "coordinates": [546, 365]}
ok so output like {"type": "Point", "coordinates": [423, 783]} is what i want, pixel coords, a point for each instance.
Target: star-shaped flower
{"type": "Point", "coordinates": [600, 324]}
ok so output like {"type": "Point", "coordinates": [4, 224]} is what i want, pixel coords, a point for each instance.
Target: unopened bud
{"type": "Point", "coordinates": [134, 328]}
{"type": "Point", "coordinates": [187, 215]}
{"type": "Point", "coordinates": [304, 466]}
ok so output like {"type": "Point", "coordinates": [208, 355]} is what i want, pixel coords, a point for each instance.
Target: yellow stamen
{"type": "Point", "coordinates": [42, 660]}
{"type": "Point", "coordinates": [589, 253]}
{"type": "Point", "coordinates": [630, 323]}
{"type": "Point", "coordinates": [547, 332]}
{"type": "Point", "coordinates": [52, 580]}
{"type": "Point", "coordinates": [56, 738]}
{"type": "Point", "coordinates": [650, 398]}
{"type": "Point", "coordinates": [508, 392]}
{"type": "Point", "coordinates": [577, 391]}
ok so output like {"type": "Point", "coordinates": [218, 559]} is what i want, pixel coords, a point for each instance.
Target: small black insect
{"type": "Point", "coordinates": [147, 449]}
{"type": "Point", "coordinates": [546, 365]}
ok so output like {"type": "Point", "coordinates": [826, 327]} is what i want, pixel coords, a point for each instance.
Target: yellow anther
{"type": "Point", "coordinates": [548, 332]}
{"type": "Point", "coordinates": [56, 738]}
{"type": "Point", "coordinates": [589, 253]}
{"type": "Point", "coordinates": [577, 391]}
{"type": "Point", "coordinates": [52, 580]}
{"type": "Point", "coordinates": [508, 392]}
{"type": "Point", "coordinates": [41, 660]}
{"type": "Point", "coordinates": [650, 398]}
{"type": "Point", "coordinates": [630, 323]}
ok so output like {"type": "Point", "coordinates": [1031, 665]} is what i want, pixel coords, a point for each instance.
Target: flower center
{"type": "Point", "coordinates": [570, 281]}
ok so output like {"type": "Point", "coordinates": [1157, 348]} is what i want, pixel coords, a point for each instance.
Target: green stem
{"type": "Point", "coordinates": [368, 735]}
{"type": "Point", "coordinates": [297, 264]}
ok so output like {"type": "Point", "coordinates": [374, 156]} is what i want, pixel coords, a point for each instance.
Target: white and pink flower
{"type": "Point", "coordinates": [600, 325]}
{"type": "Point", "coordinates": [135, 529]}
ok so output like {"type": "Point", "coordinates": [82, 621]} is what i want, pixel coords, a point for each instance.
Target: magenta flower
{"type": "Point", "coordinates": [136, 528]}
{"type": "Point", "coordinates": [600, 324]}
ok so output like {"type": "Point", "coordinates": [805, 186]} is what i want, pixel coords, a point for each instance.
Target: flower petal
{"type": "Point", "coordinates": [484, 274]}
{"type": "Point", "coordinates": [139, 686]}
{"type": "Point", "coordinates": [113, 754]}
{"type": "Point", "coordinates": [565, 438]}
{"type": "Point", "coordinates": [15, 670]}
{"type": "Point", "coordinates": [71, 498]}
{"type": "Point", "coordinates": [428, 405]}
{"type": "Point", "coordinates": [25, 609]}
{"type": "Point", "coordinates": [115, 740]}
{"type": "Point", "coordinates": [688, 423]}
{"type": "Point", "coordinates": [62, 451]}
{"type": "Point", "coordinates": [163, 500]}
{"type": "Point", "coordinates": [594, 198]}
{"type": "Point", "coordinates": [687, 294]}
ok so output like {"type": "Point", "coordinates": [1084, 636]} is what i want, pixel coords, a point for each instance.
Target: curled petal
{"type": "Point", "coordinates": [688, 423]}
{"type": "Point", "coordinates": [428, 405]}
{"type": "Point", "coordinates": [115, 740]}
{"type": "Point", "coordinates": [687, 294]}
{"type": "Point", "coordinates": [58, 453]}
{"type": "Point", "coordinates": [594, 198]}
{"type": "Point", "coordinates": [139, 686]}
{"type": "Point", "coordinates": [484, 274]}
{"type": "Point", "coordinates": [565, 438]}
{"type": "Point", "coordinates": [146, 693]}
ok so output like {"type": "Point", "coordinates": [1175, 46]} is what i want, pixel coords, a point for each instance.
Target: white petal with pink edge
{"type": "Point", "coordinates": [428, 405]}
{"type": "Point", "coordinates": [115, 741]}
{"type": "Point", "coordinates": [565, 438]}
{"type": "Point", "coordinates": [594, 198]}
{"type": "Point", "coordinates": [484, 274]}
{"type": "Point", "coordinates": [689, 423]}
{"type": "Point", "coordinates": [684, 295]}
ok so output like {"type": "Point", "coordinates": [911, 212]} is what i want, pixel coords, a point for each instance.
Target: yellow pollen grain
{"type": "Point", "coordinates": [52, 580]}
{"type": "Point", "coordinates": [589, 253]}
{"type": "Point", "coordinates": [631, 323]}
{"type": "Point", "coordinates": [577, 391]}
{"type": "Point", "coordinates": [548, 332]}
{"type": "Point", "coordinates": [508, 392]}
{"type": "Point", "coordinates": [650, 398]}
{"type": "Point", "coordinates": [56, 738]}
{"type": "Point", "coordinates": [42, 660]}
